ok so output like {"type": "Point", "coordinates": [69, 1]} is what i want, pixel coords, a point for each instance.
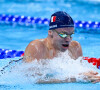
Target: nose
{"type": "Point", "coordinates": [68, 38]}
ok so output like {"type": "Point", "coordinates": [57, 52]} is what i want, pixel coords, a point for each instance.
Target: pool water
{"type": "Point", "coordinates": [18, 37]}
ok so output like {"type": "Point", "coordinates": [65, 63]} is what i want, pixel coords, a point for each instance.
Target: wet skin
{"type": "Point", "coordinates": [49, 47]}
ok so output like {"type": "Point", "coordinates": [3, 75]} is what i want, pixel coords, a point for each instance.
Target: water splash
{"type": "Point", "coordinates": [56, 68]}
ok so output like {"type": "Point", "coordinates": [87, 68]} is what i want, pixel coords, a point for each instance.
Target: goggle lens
{"type": "Point", "coordinates": [63, 35]}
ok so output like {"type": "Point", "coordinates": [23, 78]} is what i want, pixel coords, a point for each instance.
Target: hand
{"type": "Point", "coordinates": [92, 76]}
{"type": "Point", "coordinates": [90, 73]}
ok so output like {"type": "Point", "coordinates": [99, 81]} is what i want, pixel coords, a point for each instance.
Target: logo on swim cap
{"type": "Point", "coordinates": [53, 26]}
{"type": "Point", "coordinates": [53, 18]}
{"type": "Point", "coordinates": [60, 19]}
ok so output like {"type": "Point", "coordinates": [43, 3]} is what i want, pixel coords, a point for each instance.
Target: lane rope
{"type": "Point", "coordinates": [6, 53]}
{"type": "Point", "coordinates": [30, 21]}
{"type": "Point", "coordinates": [10, 65]}
{"type": "Point", "coordinates": [94, 61]}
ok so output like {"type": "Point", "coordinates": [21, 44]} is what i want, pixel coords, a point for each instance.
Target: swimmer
{"type": "Point", "coordinates": [59, 39]}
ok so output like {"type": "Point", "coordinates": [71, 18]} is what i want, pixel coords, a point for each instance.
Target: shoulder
{"type": "Point", "coordinates": [34, 50]}
{"type": "Point", "coordinates": [35, 45]}
{"type": "Point", "coordinates": [75, 44]}
{"type": "Point", "coordinates": [38, 42]}
{"type": "Point", "coordinates": [75, 49]}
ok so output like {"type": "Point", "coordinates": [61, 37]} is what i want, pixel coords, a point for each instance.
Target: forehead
{"type": "Point", "coordinates": [67, 29]}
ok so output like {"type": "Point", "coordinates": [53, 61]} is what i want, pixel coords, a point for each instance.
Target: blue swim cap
{"type": "Point", "coordinates": [60, 19]}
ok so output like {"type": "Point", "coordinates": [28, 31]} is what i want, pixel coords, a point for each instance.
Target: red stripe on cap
{"type": "Point", "coordinates": [54, 18]}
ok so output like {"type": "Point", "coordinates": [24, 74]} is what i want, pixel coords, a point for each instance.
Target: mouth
{"type": "Point", "coordinates": [65, 45]}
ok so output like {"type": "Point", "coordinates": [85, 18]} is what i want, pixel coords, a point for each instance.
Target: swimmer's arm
{"type": "Point", "coordinates": [90, 76]}
{"type": "Point", "coordinates": [56, 81]}
{"type": "Point", "coordinates": [92, 79]}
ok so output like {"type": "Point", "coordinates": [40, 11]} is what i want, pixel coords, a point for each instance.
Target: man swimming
{"type": "Point", "coordinates": [61, 29]}
{"type": "Point", "coordinates": [59, 40]}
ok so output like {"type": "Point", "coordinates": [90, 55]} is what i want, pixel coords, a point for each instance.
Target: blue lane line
{"type": "Point", "coordinates": [30, 21]}
{"type": "Point", "coordinates": [6, 53]}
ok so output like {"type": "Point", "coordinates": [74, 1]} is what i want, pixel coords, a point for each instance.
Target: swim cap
{"type": "Point", "coordinates": [60, 19]}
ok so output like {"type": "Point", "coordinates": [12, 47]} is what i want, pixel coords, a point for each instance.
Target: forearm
{"type": "Point", "coordinates": [56, 81]}
{"type": "Point", "coordinates": [87, 78]}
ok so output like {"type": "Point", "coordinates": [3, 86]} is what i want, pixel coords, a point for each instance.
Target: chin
{"type": "Point", "coordinates": [63, 50]}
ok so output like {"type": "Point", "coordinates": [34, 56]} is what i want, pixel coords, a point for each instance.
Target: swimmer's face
{"type": "Point", "coordinates": [62, 38]}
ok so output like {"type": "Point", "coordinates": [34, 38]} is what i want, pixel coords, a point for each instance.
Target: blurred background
{"type": "Point", "coordinates": [78, 9]}
{"type": "Point", "coordinates": [18, 37]}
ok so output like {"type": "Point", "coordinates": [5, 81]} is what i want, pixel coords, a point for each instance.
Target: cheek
{"type": "Point", "coordinates": [70, 39]}
{"type": "Point", "coordinates": [57, 40]}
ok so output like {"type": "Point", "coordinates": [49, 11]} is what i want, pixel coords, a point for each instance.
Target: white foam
{"type": "Point", "coordinates": [58, 67]}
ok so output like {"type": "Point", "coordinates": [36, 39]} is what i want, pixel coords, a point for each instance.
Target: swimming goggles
{"type": "Point", "coordinates": [64, 34]}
